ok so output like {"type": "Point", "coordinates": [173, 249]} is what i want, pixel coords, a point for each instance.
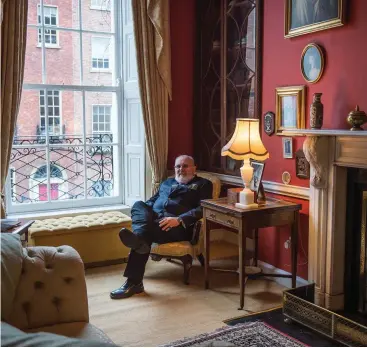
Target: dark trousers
{"type": "Point", "coordinates": [145, 223]}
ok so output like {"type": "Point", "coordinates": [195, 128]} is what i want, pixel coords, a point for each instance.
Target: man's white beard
{"type": "Point", "coordinates": [184, 179]}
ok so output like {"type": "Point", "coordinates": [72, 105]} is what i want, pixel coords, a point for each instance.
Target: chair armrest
{"type": "Point", "coordinates": [51, 289]}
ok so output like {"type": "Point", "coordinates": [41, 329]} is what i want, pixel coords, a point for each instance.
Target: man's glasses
{"type": "Point", "coordinates": [177, 166]}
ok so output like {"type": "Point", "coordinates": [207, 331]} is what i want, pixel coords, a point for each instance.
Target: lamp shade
{"type": "Point", "coordinates": [246, 142]}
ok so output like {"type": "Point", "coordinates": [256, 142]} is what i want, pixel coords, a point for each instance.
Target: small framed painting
{"type": "Point", "coordinates": [307, 16]}
{"type": "Point", "coordinates": [287, 147]}
{"type": "Point", "coordinates": [290, 108]}
{"type": "Point", "coordinates": [257, 175]}
{"type": "Point", "coordinates": [312, 63]}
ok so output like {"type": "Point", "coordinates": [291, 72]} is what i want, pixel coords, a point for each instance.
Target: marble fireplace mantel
{"type": "Point", "coordinates": [330, 153]}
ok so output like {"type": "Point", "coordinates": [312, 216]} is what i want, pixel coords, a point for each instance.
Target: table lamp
{"type": "Point", "coordinates": [245, 144]}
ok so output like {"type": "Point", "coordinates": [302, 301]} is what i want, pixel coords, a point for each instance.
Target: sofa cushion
{"type": "Point", "coordinates": [13, 337]}
{"type": "Point", "coordinates": [11, 268]}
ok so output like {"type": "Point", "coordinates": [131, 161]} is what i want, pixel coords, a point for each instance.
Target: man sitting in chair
{"type": "Point", "coordinates": [169, 216]}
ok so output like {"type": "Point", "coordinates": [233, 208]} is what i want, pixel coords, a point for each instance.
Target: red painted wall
{"type": "Point", "coordinates": [182, 57]}
{"type": "Point", "coordinates": [342, 83]}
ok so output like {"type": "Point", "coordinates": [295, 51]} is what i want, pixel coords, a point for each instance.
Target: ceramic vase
{"type": "Point", "coordinates": [316, 112]}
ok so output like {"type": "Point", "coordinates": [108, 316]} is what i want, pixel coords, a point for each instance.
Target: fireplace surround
{"type": "Point", "coordinates": [330, 153]}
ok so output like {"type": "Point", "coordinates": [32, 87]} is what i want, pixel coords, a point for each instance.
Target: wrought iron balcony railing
{"type": "Point", "coordinates": [75, 168]}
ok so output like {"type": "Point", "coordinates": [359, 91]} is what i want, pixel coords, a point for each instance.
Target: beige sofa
{"type": "Point", "coordinates": [43, 289]}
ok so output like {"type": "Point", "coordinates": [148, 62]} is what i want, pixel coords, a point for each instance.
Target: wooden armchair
{"type": "Point", "coordinates": [186, 251]}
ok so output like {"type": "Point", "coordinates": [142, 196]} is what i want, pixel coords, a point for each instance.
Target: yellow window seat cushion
{"type": "Point", "coordinates": [94, 236]}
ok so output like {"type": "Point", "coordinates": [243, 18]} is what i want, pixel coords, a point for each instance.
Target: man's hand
{"type": "Point", "coordinates": [168, 222]}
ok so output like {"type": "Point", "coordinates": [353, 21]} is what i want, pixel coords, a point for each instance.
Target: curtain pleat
{"type": "Point", "coordinates": [152, 41]}
{"type": "Point", "coordinates": [13, 45]}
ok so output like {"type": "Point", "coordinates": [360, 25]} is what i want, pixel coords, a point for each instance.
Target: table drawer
{"type": "Point", "coordinates": [222, 218]}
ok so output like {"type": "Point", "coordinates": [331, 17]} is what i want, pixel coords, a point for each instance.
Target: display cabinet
{"type": "Point", "coordinates": [227, 81]}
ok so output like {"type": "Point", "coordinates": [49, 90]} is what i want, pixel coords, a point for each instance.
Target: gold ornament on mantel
{"type": "Point", "coordinates": [357, 118]}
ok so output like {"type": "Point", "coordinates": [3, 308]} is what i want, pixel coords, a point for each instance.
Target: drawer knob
{"type": "Point", "coordinates": [231, 222]}
{"type": "Point", "coordinates": [213, 216]}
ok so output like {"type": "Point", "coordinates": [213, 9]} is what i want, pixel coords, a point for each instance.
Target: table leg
{"type": "Point", "coordinates": [242, 262]}
{"type": "Point", "coordinates": [206, 251]}
{"type": "Point", "coordinates": [294, 247]}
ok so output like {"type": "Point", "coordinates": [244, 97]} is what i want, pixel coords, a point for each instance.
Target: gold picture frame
{"type": "Point", "coordinates": [312, 69]}
{"type": "Point", "coordinates": [290, 108]}
{"type": "Point", "coordinates": [308, 18]}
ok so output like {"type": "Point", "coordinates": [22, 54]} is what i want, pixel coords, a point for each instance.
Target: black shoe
{"type": "Point", "coordinates": [133, 241]}
{"type": "Point", "coordinates": [128, 289]}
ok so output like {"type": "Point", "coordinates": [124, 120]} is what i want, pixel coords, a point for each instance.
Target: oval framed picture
{"type": "Point", "coordinates": [312, 63]}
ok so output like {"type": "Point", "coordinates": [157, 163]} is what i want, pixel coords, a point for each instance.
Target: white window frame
{"type": "Point", "coordinates": [128, 152]}
{"type": "Point", "coordinates": [46, 112]}
{"type": "Point", "coordinates": [101, 7]}
{"type": "Point", "coordinates": [42, 27]}
{"type": "Point", "coordinates": [93, 69]}
{"type": "Point", "coordinates": [98, 123]}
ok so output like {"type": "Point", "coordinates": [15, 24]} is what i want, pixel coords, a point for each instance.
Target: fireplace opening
{"type": "Point", "coordinates": [355, 286]}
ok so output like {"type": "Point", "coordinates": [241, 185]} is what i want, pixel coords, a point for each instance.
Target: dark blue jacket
{"type": "Point", "coordinates": [181, 200]}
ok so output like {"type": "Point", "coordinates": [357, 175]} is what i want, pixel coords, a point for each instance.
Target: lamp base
{"type": "Point", "coordinates": [246, 199]}
{"type": "Point", "coordinates": [246, 206]}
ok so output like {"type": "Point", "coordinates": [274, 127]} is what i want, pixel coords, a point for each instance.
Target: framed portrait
{"type": "Point", "coordinates": [306, 16]}
{"type": "Point", "coordinates": [287, 147]}
{"type": "Point", "coordinates": [290, 108]}
{"type": "Point", "coordinates": [257, 175]}
{"type": "Point", "coordinates": [312, 63]}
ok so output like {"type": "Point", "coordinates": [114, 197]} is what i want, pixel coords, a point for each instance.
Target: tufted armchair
{"type": "Point", "coordinates": [44, 289]}
{"type": "Point", "coordinates": [186, 251]}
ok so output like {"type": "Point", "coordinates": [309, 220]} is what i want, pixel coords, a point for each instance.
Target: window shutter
{"type": "Point", "coordinates": [134, 136]}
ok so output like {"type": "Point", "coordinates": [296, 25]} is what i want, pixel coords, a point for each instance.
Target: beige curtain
{"type": "Point", "coordinates": [153, 50]}
{"type": "Point", "coordinates": [13, 44]}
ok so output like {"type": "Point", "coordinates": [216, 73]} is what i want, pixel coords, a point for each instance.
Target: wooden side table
{"type": "Point", "coordinates": [21, 229]}
{"type": "Point", "coordinates": [244, 222]}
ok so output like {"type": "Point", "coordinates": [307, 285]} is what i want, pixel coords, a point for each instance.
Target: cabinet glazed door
{"type": "Point", "coordinates": [209, 85]}
{"type": "Point", "coordinates": [240, 68]}
{"type": "Point", "coordinates": [226, 79]}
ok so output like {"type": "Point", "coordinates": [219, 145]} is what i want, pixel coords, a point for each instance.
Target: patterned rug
{"type": "Point", "coordinates": [252, 334]}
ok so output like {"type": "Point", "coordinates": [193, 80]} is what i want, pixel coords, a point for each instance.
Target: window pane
{"type": "Point", "coordinates": [25, 164]}
{"type": "Point", "coordinates": [103, 115]}
{"type": "Point", "coordinates": [63, 65]}
{"type": "Point", "coordinates": [102, 166]}
{"type": "Point", "coordinates": [101, 4]}
{"type": "Point", "coordinates": [96, 49]}
{"type": "Point", "coordinates": [66, 14]}
{"type": "Point", "coordinates": [97, 20]}
{"type": "Point", "coordinates": [33, 58]}
{"type": "Point", "coordinates": [69, 160]}
{"type": "Point", "coordinates": [101, 47]}
{"type": "Point", "coordinates": [72, 117]}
